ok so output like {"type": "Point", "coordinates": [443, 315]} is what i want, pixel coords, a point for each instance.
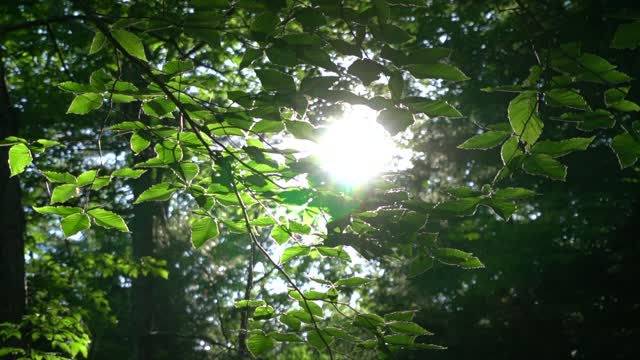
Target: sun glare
{"type": "Point", "coordinates": [355, 148]}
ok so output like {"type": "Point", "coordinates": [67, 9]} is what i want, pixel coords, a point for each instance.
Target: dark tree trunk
{"type": "Point", "coordinates": [142, 228]}
{"type": "Point", "coordinates": [12, 300]}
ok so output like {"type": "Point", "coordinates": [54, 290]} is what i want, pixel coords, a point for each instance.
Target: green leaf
{"type": "Point", "coordinates": [259, 344]}
{"type": "Point", "coordinates": [292, 252]}
{"type": "Point", "coordinates": [615, 98]}
{"type": "Point", "coordinates": [84, 103]}
{"type": "Point", "coordinates": [19, 158]}
{"type": "Point", "coordinates": [280, 234]}
{"type": "Point", "coordinates": [189, 170]}
{"type": "Point", "coordinates": [98, 42]}
{"type": "Point", "coordinates": [395, 120]}
{"type": "Point", "coordinates": [250, 55]}
{"type": "Point", "coordinates": [391, 34]}
{"type": "Point", "coordinates": [273, 80]}
{"type": "Point", "coordinates": [86, 177]}
{"type": "Point", "coordinates": [429, 107]}
{"type": "Point", "coordinates": [75, 87]}
{"type": "Point", "coordinates": [74, 223]}
{"type": "Point", "coordinates": [591, 120]}
{"type": "Point", "coordinates": [366, 70]}
{"type": "Point", "coordinates": [249, 303]}
{"type": "Point", "coordinates": [460, 207]}
{"type": "Point", "coordinates": [287, 337]}
{"type": "Point", "coordinates": [514, 193]}
{"type": "Point", "coordinates": [400, 316]}
{"type": "Point", "coordinates": [437, 71]}
{"type": "Point", "coordinates": [138, 143]}
{"type": "Point", "coordinates": [396, 85]}
{"type": "Point", "coordinates": [428, 55]}
{"type": "Point", "coordinates": [544, 165]}
{"type": "Point", "coordinates": [352, 281]}
{"type": "Point", "coordinates": [340, 333]}
{"type": "Point", "coordinates": [627, 149]}
{"type": "Point", "coordinates": [174, 67]}
{"type": "Point", "coordinates": [428, 347]}
{"type": "Point", "coordinates": [128, 173]}
{"type": "Point", "coordinates": [503, 208]}
{"type": "Point", "coordinates": [100, 182]}
{"type": "Point", "coordinates": [62, 193]}
{"type": "Point", "coordinates": [202, 230]}
{"type": "Point", "coordinates": [566, 97]}
{"type": "Point", "coordinates": [457, 258]}
{"type": "Point", "coordinates": [318, 57]}
{"type": "Point", "coordinates": [130, 43]}
{"type": "Point", "coordinates": [57, 210]}
{"type": "Point", "coordinates": [263, 312]}
{"type": "Point", "coordinates": [561, 148]}
{"type": "Point", "coordinates": [108, 219]}
{"type": "Point", "coordinates": [368, 321]}
{"type": "Point", "coordinates": [299, 228]}
{"type": "Point", "coordinates": [291, 321]}
{"type": "Point", "coordinates": [523, 116]}
{"type": "Point", "coordinates": [510, 150]}
{"type": "Point", "coordinates": [463, 192]}
{"type": "Point", "coordinates": [310, 84]}
{"type": "Point", "coordinates": [310, 18]}
{"type": "Point", "coordinates": [56, 177]}
{"type": "Point", "coordinates": [157, 192]}
{"type": "Point", "coordinates": [627, 36]}
{"type": "Point", "coordinates": [159, 107]}
{"type": "Point", "coordinates": [267, 126]}
{"type": "Point", "coordinates": [346, 48]}
{"type": "Point", "coordinates": [484, 141]}
{"type": "Point", "coordinates": [302, 39]}
{"type": "Point", "coordinates": [399, 339]}
{"type": "Point", "coordinates": [408, 327]}
{"type": "Point", "coordinates": [315, 339]}
{"type": "Point", "coordinates": [302, 130]}
{"type": "Point", "coordinates": [263, 25]}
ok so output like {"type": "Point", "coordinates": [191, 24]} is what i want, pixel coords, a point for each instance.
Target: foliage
{"type": "Point", "coordinates": [198, 97]}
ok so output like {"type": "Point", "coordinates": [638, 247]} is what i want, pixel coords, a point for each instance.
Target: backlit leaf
{"type": "Point", "coordinates": [108, 219]}
{"type": "Point", "coordinates": [131, 43]}
{"type": "Point", "coordinates": [75, 223]}
{"type": "Point", "coordinates": [157, 192]}
{"type": "Point", "coordinates": [545, 165]}
{"type": "Point", "coordinates": [84, 103]}
{"type": "Point", "coordinates": [203, 229]}
{"type": "Point", "coordinates": [19, 158]}
{"type": "Point", "coordinates": [524, 118]}
{"type": "Point", "coordinates": [484, 141]}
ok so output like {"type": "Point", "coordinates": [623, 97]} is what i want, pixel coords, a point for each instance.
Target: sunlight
{"type": "Point", "coordinates": [355, 148]}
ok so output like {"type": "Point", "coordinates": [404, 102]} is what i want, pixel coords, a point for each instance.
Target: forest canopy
{"type": "Point", "coordinates": [319, 179]}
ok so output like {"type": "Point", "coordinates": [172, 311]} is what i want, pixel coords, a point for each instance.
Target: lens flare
{"type": "Point", "coordinates": [355, 148]}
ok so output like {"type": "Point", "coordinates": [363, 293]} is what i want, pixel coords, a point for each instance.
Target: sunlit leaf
{"type": "Point", "coordinates": [484, 141]}
{"type": "Point", "coordinates": [259, 344]}
{"type": "Point", "coordinates": [62, 193]}
{"type": "Point", "coordinates": [524, 118]}
{"type": "Point", "coordinates": [544, 165]}
{"type": "Point", "coordinates": [108, 219]}
{"type": "Point", "coordinates": [157, 192]}
{"type": "Point", "coordinates": [19, 158]}
{"type": "Point", "coordinates": [84, 103]}
{"type": "Point", "coordinates": [130, 42]}
{"type": "Point", "coordinates": [203, 229]}
{"type": "Point", "coordinates": [74, 223]}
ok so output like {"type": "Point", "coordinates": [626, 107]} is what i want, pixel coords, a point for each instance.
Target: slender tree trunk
{"type": "Point", "coordinates": [12, 300]}
{"type": "Point", "coordinates": [143, 236]}
{"type": "Point", "coordinates": [142, 228]}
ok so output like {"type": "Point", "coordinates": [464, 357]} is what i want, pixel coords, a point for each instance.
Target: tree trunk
{"type": "Point", "coordinates": [142, 228]}
{"type": "Point", "coordinates": [12, 301]}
